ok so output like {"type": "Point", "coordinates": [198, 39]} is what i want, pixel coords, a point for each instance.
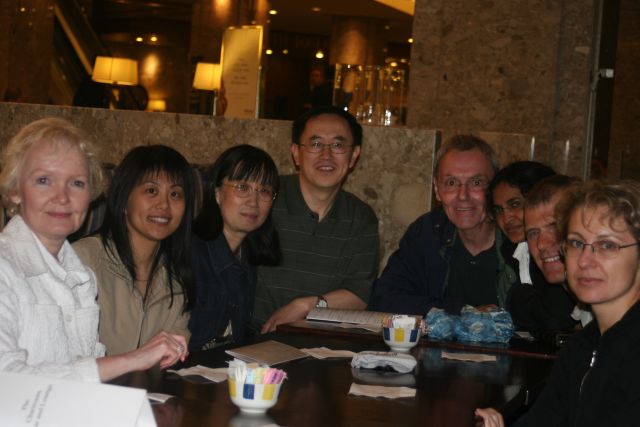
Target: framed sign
{"type": "Point", "coordinates": [240, 62]}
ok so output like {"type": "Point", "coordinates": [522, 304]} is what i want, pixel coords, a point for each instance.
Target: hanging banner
{"type": "Point", "coordinates": [240, 62]}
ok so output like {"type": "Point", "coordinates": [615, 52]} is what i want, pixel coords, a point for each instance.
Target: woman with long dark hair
{"type": "Point", "coordinates": [142, 255]}
{"type": "Point", "coordinates": [237, 234]}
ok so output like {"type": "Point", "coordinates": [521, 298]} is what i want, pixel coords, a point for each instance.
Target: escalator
{"type": "Point", "coordinates": [76, 45]}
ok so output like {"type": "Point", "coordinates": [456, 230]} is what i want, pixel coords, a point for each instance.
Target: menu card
{"type": "Point", "coordinates": [29, 400]}
{"type": "Point", "coordinates": [267, 353]}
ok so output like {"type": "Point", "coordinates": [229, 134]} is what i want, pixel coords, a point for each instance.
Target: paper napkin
{"type": "Point", "coordinates": [212, 374]}
{"type": "Point", "coordinates": [324, 352]}
{"type": "Point", "coordinates": [381, 391]}
{"type": "Point", "coordinates": [469, 357]}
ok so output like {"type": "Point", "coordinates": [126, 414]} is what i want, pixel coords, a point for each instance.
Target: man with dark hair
{"type": "Point", "coordinates": [450, 256]}
{"type": "Point", "coordinates": [545, 304]}
{"type": "Point", "coordinates": [329, 237]}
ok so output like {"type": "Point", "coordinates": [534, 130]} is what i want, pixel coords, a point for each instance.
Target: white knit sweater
{"type": "Point", "coordinates": [48, 310]}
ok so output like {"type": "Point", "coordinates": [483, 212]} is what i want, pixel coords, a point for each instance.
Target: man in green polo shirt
{"type": "Point", "coordinates": [329, 237]}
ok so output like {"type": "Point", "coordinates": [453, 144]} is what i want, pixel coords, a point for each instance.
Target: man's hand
{"type": "Point", "coordinates": [295, 310]}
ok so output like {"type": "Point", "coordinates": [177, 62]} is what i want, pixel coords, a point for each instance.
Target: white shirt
{"type": "Point", "coordinates": [48, 310]}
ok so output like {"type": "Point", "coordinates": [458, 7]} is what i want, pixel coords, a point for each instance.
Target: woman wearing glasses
{"type": "Point", "coordinates": [237, 235]}
{"type": "Point", "coordinates": [141, 257]}
{"type": "Point", "coordinates": [596, 379]}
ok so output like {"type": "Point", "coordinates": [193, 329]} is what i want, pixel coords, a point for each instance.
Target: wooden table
{"type": "Point", "coordinates": [316, 393]}
{"type": "Point", "coordinates": [516, 347]}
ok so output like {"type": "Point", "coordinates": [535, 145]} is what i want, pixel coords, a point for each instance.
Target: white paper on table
{"type": "Point", "coordinates": [212, 374]}
{"type": "Point", "coordinates": [158, 397]}
{"type": "Point", "coordinates": [29, 400]}
{"type": "Point", "coordinates": [469, 357]}
{"type": "Point", "coordinates": [381, 391]}
{"type": "Point", "coordinates": [325, 353]}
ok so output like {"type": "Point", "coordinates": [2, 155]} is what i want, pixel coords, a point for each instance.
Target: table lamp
{"type": "Point", "coordinates": [115, 71]}
{"type": "Point", "coordinates": [207, 77]}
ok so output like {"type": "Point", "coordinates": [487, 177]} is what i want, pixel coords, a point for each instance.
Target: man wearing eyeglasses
{"type": "Point", "coordinates": [545, 304]}
{"type": "Point", "coordinates": [329, 237]}
{"type": "Point", "coordinates": [450, 256]}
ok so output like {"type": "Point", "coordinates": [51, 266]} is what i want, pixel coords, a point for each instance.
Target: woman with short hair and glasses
{"type": "Point", "coordinates": [596, 379]}
{"type": "Point", "coordinates": [237, 235]}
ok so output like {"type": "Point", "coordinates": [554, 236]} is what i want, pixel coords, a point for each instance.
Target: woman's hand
{"type": "Point", "coordinates": [490, 417]}
{"type": "Point", "coordinates": [164, 348]}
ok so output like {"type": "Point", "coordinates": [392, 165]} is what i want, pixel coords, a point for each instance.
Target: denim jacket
{"type": "Point", "coordinates": [225, 291]}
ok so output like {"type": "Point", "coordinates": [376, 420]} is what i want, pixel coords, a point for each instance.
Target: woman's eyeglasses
{"type": "Point", "coordinates": [605, 249]}
{"type": "Point", "coordinates": [244, 190]}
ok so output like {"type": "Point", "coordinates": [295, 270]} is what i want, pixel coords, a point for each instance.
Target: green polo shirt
{"type": "Point", "coordinates": [339, 252]}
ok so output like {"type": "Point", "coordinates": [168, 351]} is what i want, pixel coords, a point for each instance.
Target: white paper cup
{"type": "Point", "coordinates": [253, 398]}
{"type": "Point", "coordinates": [401, 340]}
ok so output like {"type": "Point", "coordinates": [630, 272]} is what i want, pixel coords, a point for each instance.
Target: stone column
{"type": "Point", "coordinates": [211, 17]}
{"type": "Point", "coordinates": [357, 41]}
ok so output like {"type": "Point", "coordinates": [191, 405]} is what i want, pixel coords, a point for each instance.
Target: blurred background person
{"type": "Point", "coordinates": [238, 234]}
{"type": "Point", "coordinates": [141, 255]}
{"type": "Point", "coordinates": [48, 310]}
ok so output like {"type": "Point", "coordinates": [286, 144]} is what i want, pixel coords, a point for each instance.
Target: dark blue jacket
{"type": "Point", "coordinates": [415, 277]}
{"type": "Point", "coordinates": [225, 291]}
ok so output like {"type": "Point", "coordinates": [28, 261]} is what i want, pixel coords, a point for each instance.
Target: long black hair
{"type": "Point", "coordinates": [240, 163]}
{"type": "Point", "coordinates": [174, 252]}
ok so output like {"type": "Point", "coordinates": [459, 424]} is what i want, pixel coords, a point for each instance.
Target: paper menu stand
{"type": "Point", "coordinates": [29, 400]}
{"type": "Point", "coordinates": [267, 353]}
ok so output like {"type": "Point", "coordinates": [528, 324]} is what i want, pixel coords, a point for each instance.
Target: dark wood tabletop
{"type": "Point", "coordinates": [316, 391]}
{"type": "Point", "coordinates": [542, 349]}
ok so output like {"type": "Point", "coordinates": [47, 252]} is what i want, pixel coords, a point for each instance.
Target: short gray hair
{"type": "Point", "coordinates": [467, 143]}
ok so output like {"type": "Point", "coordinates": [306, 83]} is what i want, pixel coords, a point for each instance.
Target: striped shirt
{"type": "Point", "coordinates": [339, 252]}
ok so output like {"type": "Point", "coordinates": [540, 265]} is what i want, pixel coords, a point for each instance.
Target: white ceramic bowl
{"type": "Point", "coordinates": [253, 398]}
{"type": "Point", "coordinates": [401, 340]}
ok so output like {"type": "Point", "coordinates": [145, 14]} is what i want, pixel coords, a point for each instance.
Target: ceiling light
{"type": "Point", "coordinates": [139, 39]}
{"type": "Point", "coordinates": [285, 51]}
{"type": "Point", "coordinates": [410, 39]}
{"type": "Point", "coordinates": [273, 12]}
{"type": "Point", "coordinates": [268, 52]}
{"type": "Point", "coordinates": [319, 54]}
{"type": "Point", "coordinates": [315, 9]}
{"type": "Point", "coordinates": [154, 38]}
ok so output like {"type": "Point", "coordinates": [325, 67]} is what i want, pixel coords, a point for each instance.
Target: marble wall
{"type": "Point", "coordinates": [513, 67]}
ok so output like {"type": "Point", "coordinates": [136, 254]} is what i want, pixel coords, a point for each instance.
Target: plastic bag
{"type": "Point", "coordinates": [480, 326]}
{"type": "Point", "coordinates": [440, 325]}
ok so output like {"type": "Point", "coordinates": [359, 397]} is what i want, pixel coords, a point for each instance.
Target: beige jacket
{"type": "Point", "coordinates": [127, 323]}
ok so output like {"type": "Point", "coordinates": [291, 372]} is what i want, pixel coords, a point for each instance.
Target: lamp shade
{"type": "Point", "coordinates": [112, 70]}
{"type": "Point", "coordinates": [207, 76]}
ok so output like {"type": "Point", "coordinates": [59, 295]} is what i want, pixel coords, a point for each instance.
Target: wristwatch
{"type": "Point", "coordinates": [322, 302]}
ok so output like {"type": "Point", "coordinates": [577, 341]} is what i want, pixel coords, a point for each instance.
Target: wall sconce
{"type": "Point", "coordinates": [207, 77]}
{"type": "Point", "coordinates": [157, 105]}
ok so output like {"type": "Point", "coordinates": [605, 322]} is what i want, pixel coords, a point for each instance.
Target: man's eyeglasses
{"type": "Point", "coordinates": [512, 205]}
{"type": "Point", "coordinates": [605, 249]}
{"type": "Point", "coordinates": [451, 185]}
{"type": "Point", "coordinates": [244, 190]}
{"type": "Point", "coordinates": [315, 147]}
